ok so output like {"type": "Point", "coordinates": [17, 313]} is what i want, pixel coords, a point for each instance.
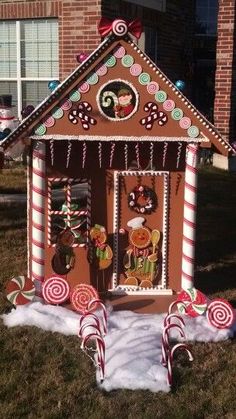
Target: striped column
{"type": "Point", "coordinates": [38, 214]}
{"type": "Point", "coordinates": [189, 225]}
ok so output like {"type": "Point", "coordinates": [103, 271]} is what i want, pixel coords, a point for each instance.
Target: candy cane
{"type": "Point", "coordinates": [69, 147]}
{"type": "Point", "coordinates": [181, 346]}
{"type": "Point", "coordinates": [89, 317]}
{"type": "Point", "coordinates": [100, 154]}
{"type": "Point", "coordinates": [107, 98]}
{"type": "Point", "coordinates": [100, 346]}
{"type": "Point", "coordinates": [169, 317]}
{"type": "Point", "coordinates": [150, 106]}
{"type": "Point", "coordinates": [104, 310]}
{"type": "Point", "coordinates": [38, 215]}
{"type": "Point", "coordinates": [84, 154]}
{"type": "Point", "coordinates": [153, 116]}
{"type": "Point", "coordinates": [137, 155]}
{"type": "Point", "coordinates": [126, 156]}
{"type": "Point", "coordinates": [164, 351]}
{"type": "Point", "coordinates": [164, 153]}
{"type": "Point", "coordinates": [189, 226]}
{"type": "Point", "coordinates": [151, 155]}
{"type": "Point", "coordinates": [81, 113]}
{"type": "Point", "coordinates": [171, 326]}
{"type": "Point", "coordinates": [178, 154]}
{"type": "Point", "coordinates": [89, 326]}
{"type": "Point", "coordinates": [174, 304]}
{"type": "Point", "coordinates": [52, 151]}
{"type": "Point", "coordinates": [112, 153]}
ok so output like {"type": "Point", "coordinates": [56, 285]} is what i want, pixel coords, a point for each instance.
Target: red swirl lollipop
{"type": "Point", "coordinates": [20, 290]}
{"type": "Point", "coordinates": [55, 290]}
{"type": "Point", "coordinates": [194, 302]}
{"type": "Point", "coordinates": [220, 314]}
{"type": "Point", "coordinates": [81, 295]}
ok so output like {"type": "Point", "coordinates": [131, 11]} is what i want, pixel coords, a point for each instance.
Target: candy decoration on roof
{"type": "Point", "coordinates": [52, 84]}
{"type": "Point", "coordinates": [194, 302]}
{"type": "Point", "coordinates": [20, 290]}
{"type": "Point", "coordinates": [81, 114]}
{"type": "Point", "coordinates": [55, 290]}
{"type": "Point", "coordinates": [220, 314]}
{"type": "Point", "coordinates": [81, 295]}
{"type": "Point", "coordinates": [82, 56]}
{"type": "Point", "coordinates": [154, 115]}
{"type": "Point", "coordinates": [120, 27]}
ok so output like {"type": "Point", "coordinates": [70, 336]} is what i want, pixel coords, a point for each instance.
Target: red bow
{"type": "Point", "coordinates": [134, 27]}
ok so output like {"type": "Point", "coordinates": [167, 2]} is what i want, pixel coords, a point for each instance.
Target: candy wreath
{"type": "Point", "coordinates": [142, 200]}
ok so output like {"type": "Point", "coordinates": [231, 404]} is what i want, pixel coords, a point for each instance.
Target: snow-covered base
{"type": "Point", "coordinates": [133, 342]}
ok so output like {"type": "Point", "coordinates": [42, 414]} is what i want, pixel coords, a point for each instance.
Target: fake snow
{"type": "Point", "coordinates": [133, 342]}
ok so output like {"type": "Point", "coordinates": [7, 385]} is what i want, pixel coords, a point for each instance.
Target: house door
{"type": "Point", "coordinates": [141, 227]}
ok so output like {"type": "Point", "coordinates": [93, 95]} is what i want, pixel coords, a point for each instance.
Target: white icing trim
{"type": "Point", "coordinates": [123, 290]}
{"type": "Point", "coordinates": [116, 213]}
{"type": "Point", "coordinates": [117, 138]}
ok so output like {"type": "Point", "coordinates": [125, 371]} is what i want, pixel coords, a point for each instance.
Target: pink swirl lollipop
{"type": "Point", "coordinates": [84, 87]}
{"type": "Point", "coordinates": [135, 70]}
{"type": "Point", "coordinates": [55, 290]}
{"type": "Point", "coordinates": [152, 87]}
{"type": "Point", "coordinates": [66, 104]}
{"type": "Point", "coordinates": [185, 122]}
{"type": "Point", "coordinates": [220, 313]}
{"type": "Point", "coordinates": [119, 27]}
{"type": "Point", "coordinates": [169, 105]}
{"type": "Point", "coordinates": [101, 70]}
{"type": "Point", "coordinates": [119, 52]}
{"type": "Point", "coordinates": [49, 121]}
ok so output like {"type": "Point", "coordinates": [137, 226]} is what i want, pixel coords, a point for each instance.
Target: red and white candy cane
{"type": "Point", "coordinates": [169, 317]}
{"type": "Point", "coordinates": [172, 326]}
{"type": "Point", "coordinates": [90, 327]}
{"type": "Point", "coordinates": [154, 115]}
{"type": "Point", "coordinates": [172, 305]}
{"type": "Point", "coordinates": [189, 225]}
{"type": "Point", "coordinates": [81, 113]}
{"type": "Point", "coordinates": [38, 215]}
{"type": "Point", "coordinates": [88, 317]}
{"type": "Point", "coordinates": [104, 311]}
{"type": "Point", "coordinates": [100, 346]}
{"type": "Point", "coordinates": [165, 348]}
{"type": "Point", "coordinates": [178, 346]}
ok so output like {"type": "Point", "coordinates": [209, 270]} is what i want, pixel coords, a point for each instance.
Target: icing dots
{"type": "Point", "coordinates": [135, 70]}
{"type": "Point", "coordinates": [84, 87]}
{"type": "Point", "coordinates": [152, 87]}
{"type": "Point", "coordinates": [101, 70]}
{"type": "Point", "coordinates": [127, 60]}
{"type": "Point", "coordinates": [57, 113]}
{"type": "Point", "coordinates": [193, 131]}
{"type": "Point", "coordinates": [40, 129]}
{"type": "Point", "coordinates": [110, 61]}
{"type": "Point", "coordinates": [185, 122]}
{"type": "Point", "coordinates": [92, 79]}
{"type": "Point", "coordinates": [177, 114]}
{"type": "Point", "coordinates": [119, 52]}
{"type": "Point", "coordinates": [75, 96]}
{"type": "Point", "coordinates": [161, 96]}
{"type": "Point", "coordinates": [144, 78]}
{"type": "Point", "coordinates": [169, 105]}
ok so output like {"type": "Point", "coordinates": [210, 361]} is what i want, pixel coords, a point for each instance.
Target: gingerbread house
{"type": "Point", "coordinates": [112, 177]}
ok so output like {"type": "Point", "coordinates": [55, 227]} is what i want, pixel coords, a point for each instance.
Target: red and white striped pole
{"type": "Point", "coordinates": [189, 225]}
{"type": "Point", "coordinates": [38, 215]}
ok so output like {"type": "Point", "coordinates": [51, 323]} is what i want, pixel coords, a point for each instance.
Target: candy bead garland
{"type": "Point", "coordinates": [220, 314]}
{"type": "Point", "coordinates": [20, 290]}
{"type": "Point", "coordinates": [55, 290]}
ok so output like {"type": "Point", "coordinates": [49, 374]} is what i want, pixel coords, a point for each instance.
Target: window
{"type": "Point", "coordinates": [206, 17]}
{"type": "Point", "coordinates": [29, 60]}
{"type": "Point", "coordinates": [68, 208]}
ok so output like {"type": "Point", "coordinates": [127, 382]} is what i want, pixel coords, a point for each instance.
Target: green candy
{"type": "Point", "coordinates": [127, 60]}
{"type": "Point", "coordinates": [161, 96]}
{"type": "Point", "coordinates": [193, 131]}
{"type": "Point", "coordinates": [144, 78]}
{"type": "Point", "coordinates": [177, 114]}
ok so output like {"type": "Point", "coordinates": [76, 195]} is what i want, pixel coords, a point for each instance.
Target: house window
{"type": "Point", "coordinates": [206, 17]}
{"type": "Point", "coordinates": [29, 60]}
{"type": "Point", "coordinates": [68, 208]}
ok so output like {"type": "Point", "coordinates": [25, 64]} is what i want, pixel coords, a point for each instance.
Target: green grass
{"type": "Point", "coordinates": [45, 375]}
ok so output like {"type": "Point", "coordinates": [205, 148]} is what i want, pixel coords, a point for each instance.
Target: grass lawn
{"type": "Point", "coordinates": [45, 375]}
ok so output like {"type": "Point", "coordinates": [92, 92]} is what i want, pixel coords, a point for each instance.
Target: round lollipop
{"type": "Point", "coordinates": [220, 314]}
{"type": "Point", "coordinates": [55, 290]}
{"type": "Point", "coordinates": [194, 302]}
{"type": "Point", "coordinates": [20, 290]}
{"type": "Point", "coordinates": [81, 295]}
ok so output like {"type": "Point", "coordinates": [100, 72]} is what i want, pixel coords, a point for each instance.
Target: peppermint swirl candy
{"type": "Point", "coordinates": [152, 87]}
{"type": "Point", "coordinates": [169, 105]}
{"type": "Point", "coordinates": [110, 61]}
{"type": "Point", "coordinates": [127, 60]}
{"type": "Point", "coordinates": [40, 129]}
{"type": "Point", "coordinates": [136, 70]}
{"type": "Point", "coordinates": [177, 114]}
{"type": "Point", "coordinates": [193, 131]}
{"type": "Point", "coordinates": [81, 295]}
{"type": "Point", "coordinates": [185, 122]}
{"type": "Point", "coordinates": [75, 96]}
{"type": "Point", "coordinates": [161, 96]}
{"type": "Point", "coordinates": [55, 290]}
{"type": "Point", "coordinates": [119, 27]}
{"type": "Point", "coordinates": [57, 113]}
{"type": "Point", "coordinates": [101, 70]}
{"type": "Point", "coordinates": [49, 121]}
{"type": "Point", "coordinates": [144, 78]}
{"type": "Point", "coordinates": [220, 314]}
{"type": "Point", "coordinates": [192, 302]}
{"type": "Point", "coordinates": [119, 52]}
{"type": "Point", "coordinates": [20, 290]}
{"type": "Point", "coordinates": [84, 87]}
{"type": "Point", "coordinates": [66, 104]}
{"type": "Point", "coordinates": [92, 79]}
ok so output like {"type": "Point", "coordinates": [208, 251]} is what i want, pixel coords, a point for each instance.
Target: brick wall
{"type": "Point", "coordinates": [225, 81]}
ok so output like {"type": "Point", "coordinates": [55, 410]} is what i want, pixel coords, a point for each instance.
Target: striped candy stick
{"type": "Point", "coordinates": [90, 317]}
{"type": "Point", "coordinates": [172, 326]}
{"type": "Point", "coordinates": [100, 347]}
{"type": "Point", "coordinates": [181, 346]}
{"type": "Point", "coordinates": [189, 226]}
{"type": "Point", "coordinates": [172, 305]}
{"type": "Point", "coordinates": [104, 311]}
{"type": "Point", "coordinates": [171, 316]}
{"type": "Point", "coordinates": [38, 215]}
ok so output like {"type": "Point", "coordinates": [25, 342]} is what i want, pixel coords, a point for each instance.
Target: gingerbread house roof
{"type": "Point", "coordinates": [118, 94]}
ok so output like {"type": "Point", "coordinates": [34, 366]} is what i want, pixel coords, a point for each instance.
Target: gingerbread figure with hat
{"type": "Point", "coordinates": [141, 257]}
{"type": "Point", "coordinates": [103, 251]}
